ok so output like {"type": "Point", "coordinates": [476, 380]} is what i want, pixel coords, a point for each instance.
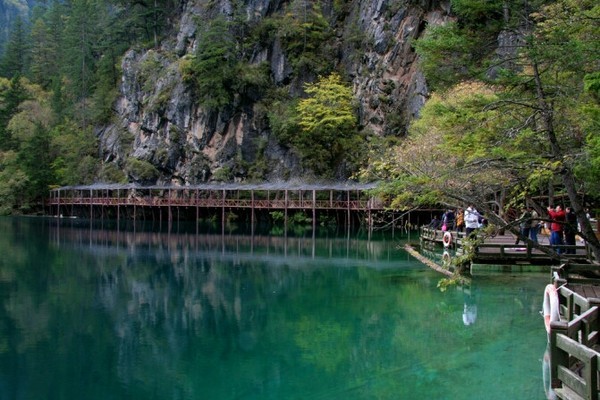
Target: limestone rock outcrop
{"type": "Point", "coordinates": [160, 121]}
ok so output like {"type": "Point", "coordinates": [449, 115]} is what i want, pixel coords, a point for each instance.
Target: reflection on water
{"type": "Point", "coordinates": [470, 304]}
{"type": "Point", "coordinates": [116, 314]}
{"type": "Point", "coordinates": [550, 394]}
{"type": "Point", "coordinates": [290, 250]}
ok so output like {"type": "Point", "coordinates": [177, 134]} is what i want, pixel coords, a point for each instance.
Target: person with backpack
{"type": "Point", "coordinates": [448, 220]}
{"type": "Point", "coordinates": [534, 227]}
{"type": "Point", "coordinates": [524, 225]}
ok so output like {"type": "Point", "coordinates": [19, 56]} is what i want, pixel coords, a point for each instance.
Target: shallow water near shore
{"type": "Point", "coordinates": [100, 312]}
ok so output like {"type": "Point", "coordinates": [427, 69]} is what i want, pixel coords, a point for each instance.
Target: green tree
{"type": "Point", "coordinates": [13, 183]}
{"type": "Point", "coordinates": [47, 45]}
{"type": "Point", "coordinates": [81, 36]}
{"type": "Point", "coordinates": [143, 20]}
{"type": "Point", "coordinates": [328, 124]}
{"type": "Point", "coordinates": [12, 94]}
{"type": "Point", "coordinates": [35, 162]}
{"type": "Point", "coordinates": [73, 154]}
{"type": "Point", "coordinates": [29, 128]}
{"type": "Point", "coordinates": [15, 59]}
{"type": "Point", "coordinates": [305, 34]}
{"type": "Point", "coordinates": [522, 131]}
{"type": "Point", "coordinates": [213, 68]}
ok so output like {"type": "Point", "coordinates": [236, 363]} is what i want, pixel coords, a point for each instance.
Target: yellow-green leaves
{"type": "Point", "coordinates": [328, 110]}
{"type": "Point", "coordinates": [327, 121]}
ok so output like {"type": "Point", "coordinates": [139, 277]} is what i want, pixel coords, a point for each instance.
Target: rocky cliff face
{"type": "Point", "coordinates": [161, 123]}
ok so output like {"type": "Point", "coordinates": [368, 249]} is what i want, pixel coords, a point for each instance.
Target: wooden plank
{"type": "Point", "coordinates": [581, 376]}
{"type": "Point", "coordinates": [566, 393]}
{"type": "Point", "coordinates": [572, 381]}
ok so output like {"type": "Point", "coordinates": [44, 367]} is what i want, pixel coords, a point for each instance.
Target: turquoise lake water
{"type": "Point", "coordinates": [95, 312]}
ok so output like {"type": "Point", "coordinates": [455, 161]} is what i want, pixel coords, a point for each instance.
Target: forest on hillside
{"type": "Point", "coordinates": [58, 80]}
{"type": "Point", "coordinates": [513, 109]}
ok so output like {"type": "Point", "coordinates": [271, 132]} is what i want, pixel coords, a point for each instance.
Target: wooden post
{"type": "Point", "coordinates": [314, 210]}
{"type": "Point", "coordinates": [252, 212]}
{"type": "Point", "coordinates": [370, 216]}
{"type": "Point", "coordinates": [557, 356]}
{"type": "Point", "coordinates": [285, 216]}
{"type": "Point", "coordinates": [197, 210]}
{"type": "Point", "coordinates": [223, 213]}
{"type": "Point", "coordinates": [348, 205]}
{"type": "Point", "coordinates": [170, 215]}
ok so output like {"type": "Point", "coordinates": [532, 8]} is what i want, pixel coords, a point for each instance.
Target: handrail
{"type": "Point", "coordinates": [486, 251]}
{"type": "Point", "coordinates": [221, 202]}
{"type": "Point", "coordinates": [574, 363]}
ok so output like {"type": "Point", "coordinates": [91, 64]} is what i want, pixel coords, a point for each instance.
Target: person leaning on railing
{"type": "Point", "coordinates": [435, 223]}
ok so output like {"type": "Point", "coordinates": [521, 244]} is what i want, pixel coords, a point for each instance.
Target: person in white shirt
{"type": "Point", "coordinates": [471, 220]}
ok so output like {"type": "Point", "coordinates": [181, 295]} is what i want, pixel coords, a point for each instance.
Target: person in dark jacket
{"type": "Point", "coordinates": [448, 220]}
{"type": "Point", "coordinates": [435, 223]}
{"type": "Point", "coordinates": [570, 229]}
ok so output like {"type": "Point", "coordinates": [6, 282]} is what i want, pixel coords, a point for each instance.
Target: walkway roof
{"type": "Point", "coordinates": [340, 186]}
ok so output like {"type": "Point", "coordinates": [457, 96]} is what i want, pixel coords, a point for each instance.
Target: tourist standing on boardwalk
{"type": "Point", "coordinates": [435, 223]}
{"type": "Point", "coordinates": [524, 226]}
{"type": "Point", "coordinates": [534, 226]}
{"type": "Point", "coordinates": [570, 229]}
{"type": "Point", "coordinates": [448, 220]}
{"type": "Point", "coordinates": [471, 220]}
{"type": "Point", "coordinates": [556, 227]}
{"type": "Point", "coordinates": [460, 220]}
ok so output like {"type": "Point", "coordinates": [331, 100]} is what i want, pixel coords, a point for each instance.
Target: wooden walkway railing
{"type": "Point", "coordinates": [348, 203]}
{"type": "Point", "coordinates": [500, 249]}
{"type": "Point", "coordinates": [574, 367]}
{"type": "Point", "coordinates": [218, 203]}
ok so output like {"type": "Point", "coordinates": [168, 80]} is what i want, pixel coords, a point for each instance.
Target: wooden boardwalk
{"type": "Point", "coordinates": [572, 360]}
{"type": "Point", "coordinates": [574, 345]}
{"type": "Point", "coordinates": [500, 252]}
{"type": "Point", "coordinates": [348, 200]}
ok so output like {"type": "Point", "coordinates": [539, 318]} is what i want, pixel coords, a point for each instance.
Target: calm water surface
{"type": "Point", "coordinates": [90, 313]}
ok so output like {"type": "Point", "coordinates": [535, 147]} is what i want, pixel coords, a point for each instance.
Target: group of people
{"type": "Point", "coordinates": [563, 227]}
{"type": "Point", "coordinates": [468, 220]}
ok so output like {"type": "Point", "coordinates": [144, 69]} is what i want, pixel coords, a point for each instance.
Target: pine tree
{"type": "Point", "coordinates": [80, 39]}
{"type": "Point", "coordinates": [15, 59]}
{"type": "Point", "coordinates": [213, 68]}
{"type": "Point", "coordinates": [46, 45]}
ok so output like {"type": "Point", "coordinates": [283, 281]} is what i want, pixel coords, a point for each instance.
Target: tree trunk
{"type": "Point", "coordinates": [566, 173]}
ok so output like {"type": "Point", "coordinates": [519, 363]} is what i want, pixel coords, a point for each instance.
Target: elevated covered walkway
{"type": "Point", "coordinates": [346, 201]}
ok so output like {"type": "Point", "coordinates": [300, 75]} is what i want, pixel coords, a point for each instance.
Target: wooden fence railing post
{"type": "Point", "coordinates": [557, 355]}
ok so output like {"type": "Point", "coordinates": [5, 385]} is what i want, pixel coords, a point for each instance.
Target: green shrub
{"type": "Point", "coordinates": [141, 170]}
